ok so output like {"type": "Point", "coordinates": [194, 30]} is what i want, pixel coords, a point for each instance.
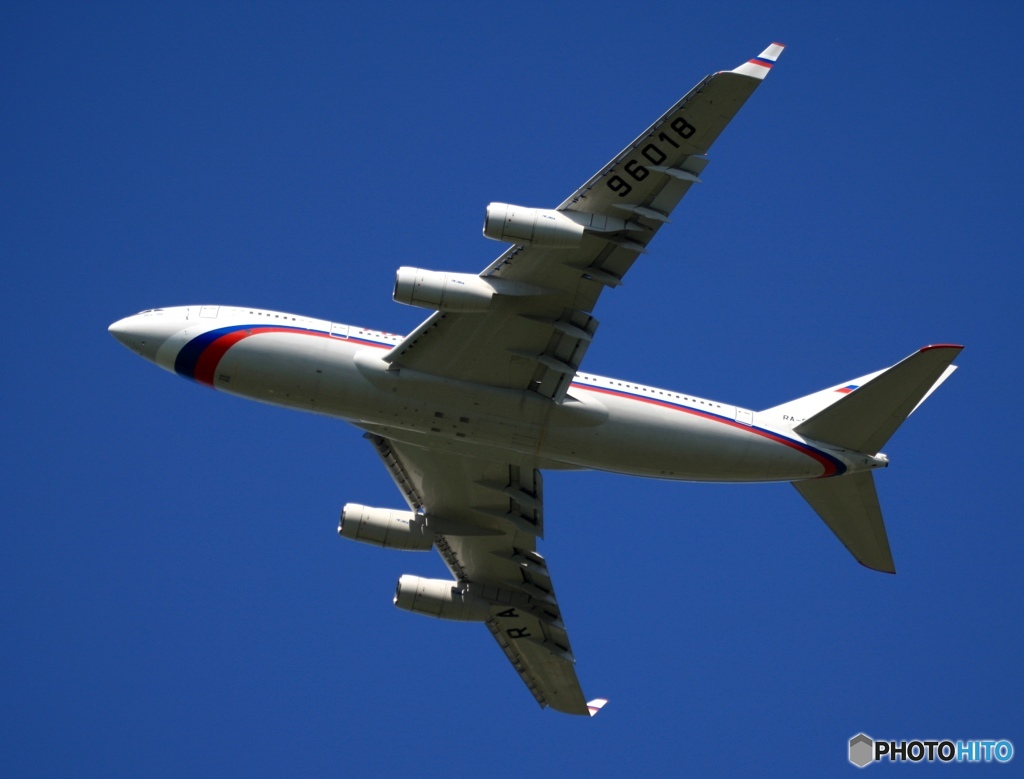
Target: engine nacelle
{"type": "Point", "coordinates": [540, 227]}
{"type": "Point", "coordinates": [441, 598]}
{"type": "Point", "coordinates": [442, 291]}
{"type": "Point", "coordinates": [385, 527]}
{"type": "Point", "coordinates": [537, 226]}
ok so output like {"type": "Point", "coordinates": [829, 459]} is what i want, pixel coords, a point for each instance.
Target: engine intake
{"type": "Point", "coordinates": [385, 527]}
{"type": "Point", "coordinates": [441, 598]}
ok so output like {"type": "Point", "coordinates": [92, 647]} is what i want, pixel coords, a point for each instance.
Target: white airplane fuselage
{"type": "Point", "coordinates": [603, 424]}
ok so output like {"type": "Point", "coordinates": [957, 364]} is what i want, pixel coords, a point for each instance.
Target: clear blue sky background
{"type": "Point", "coordinates": [175, 600]}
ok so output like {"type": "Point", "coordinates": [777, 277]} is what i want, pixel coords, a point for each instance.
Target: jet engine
{"type": "Point", "coordinates": [456, 291]}
{"type": "Point", "coordinates": [441, 598]}
{"type": "Point", "coordinates": [540, 227]}
{"type": "Point", "coordinates": [385, 527]}
{"type": "Point", "coordinates": [442, 291]}
{"type": "Point", "coordinates": [515, 224]}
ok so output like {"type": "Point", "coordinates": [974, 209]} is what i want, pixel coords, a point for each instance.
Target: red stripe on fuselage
{"type": "Point", "coordinates": [828, 465]}
{"type": "Point", "coordinates": [206, 365]}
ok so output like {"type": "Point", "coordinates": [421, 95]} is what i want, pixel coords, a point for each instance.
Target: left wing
{"type": "Point", "coordinates": [486, 516]}
{"type": "Point", "coordinates": [536, 341]}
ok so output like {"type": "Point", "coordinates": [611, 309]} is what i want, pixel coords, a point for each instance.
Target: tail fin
{"type": "Point", "coordinates": [861, 416]}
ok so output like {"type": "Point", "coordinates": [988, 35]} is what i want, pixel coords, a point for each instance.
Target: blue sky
{"type": "Point", "coordinates": [175, 597]}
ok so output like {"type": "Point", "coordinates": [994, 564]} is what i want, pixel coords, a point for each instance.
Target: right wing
{"type": "Point", "coordinates": [537, 341]}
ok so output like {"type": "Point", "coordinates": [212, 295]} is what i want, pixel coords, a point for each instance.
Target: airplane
{"type": "Point", "coordinates": [469, 409]}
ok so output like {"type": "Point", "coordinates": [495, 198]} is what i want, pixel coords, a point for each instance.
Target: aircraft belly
{"type": "Point", "coordinates": [651, 440]}
{"type": "Point", "coordinates": [279, 368]}
{"type": "Point", "coordinates": [350, 382]}
{"type": "Point", "coordinates": [340, 379]}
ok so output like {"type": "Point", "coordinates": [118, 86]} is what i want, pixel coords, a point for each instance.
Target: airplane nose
{"type": "Point", "coordinates": [131, 333]}
{"type": "Point", "coordinates": [121, 330]}
{"type": "Point", "coordinates": [144, 334]}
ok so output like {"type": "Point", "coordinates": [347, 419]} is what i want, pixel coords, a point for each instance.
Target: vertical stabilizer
{"type": "Point", "coordinates": [849, 506]}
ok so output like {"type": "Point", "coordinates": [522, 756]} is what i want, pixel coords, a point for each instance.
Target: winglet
{"type": "Point", "coordinates": [596, 705]}
{"type": "Point", "coordinates": [762, 63]}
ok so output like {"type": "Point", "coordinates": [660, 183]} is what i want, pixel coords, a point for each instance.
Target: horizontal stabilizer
{"type": "Point", "coordinates": [596, 705]}
{"type": "Point", "coordinates": [866, 416]}
{"type": "Point", "coordinates": [849, 506]}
